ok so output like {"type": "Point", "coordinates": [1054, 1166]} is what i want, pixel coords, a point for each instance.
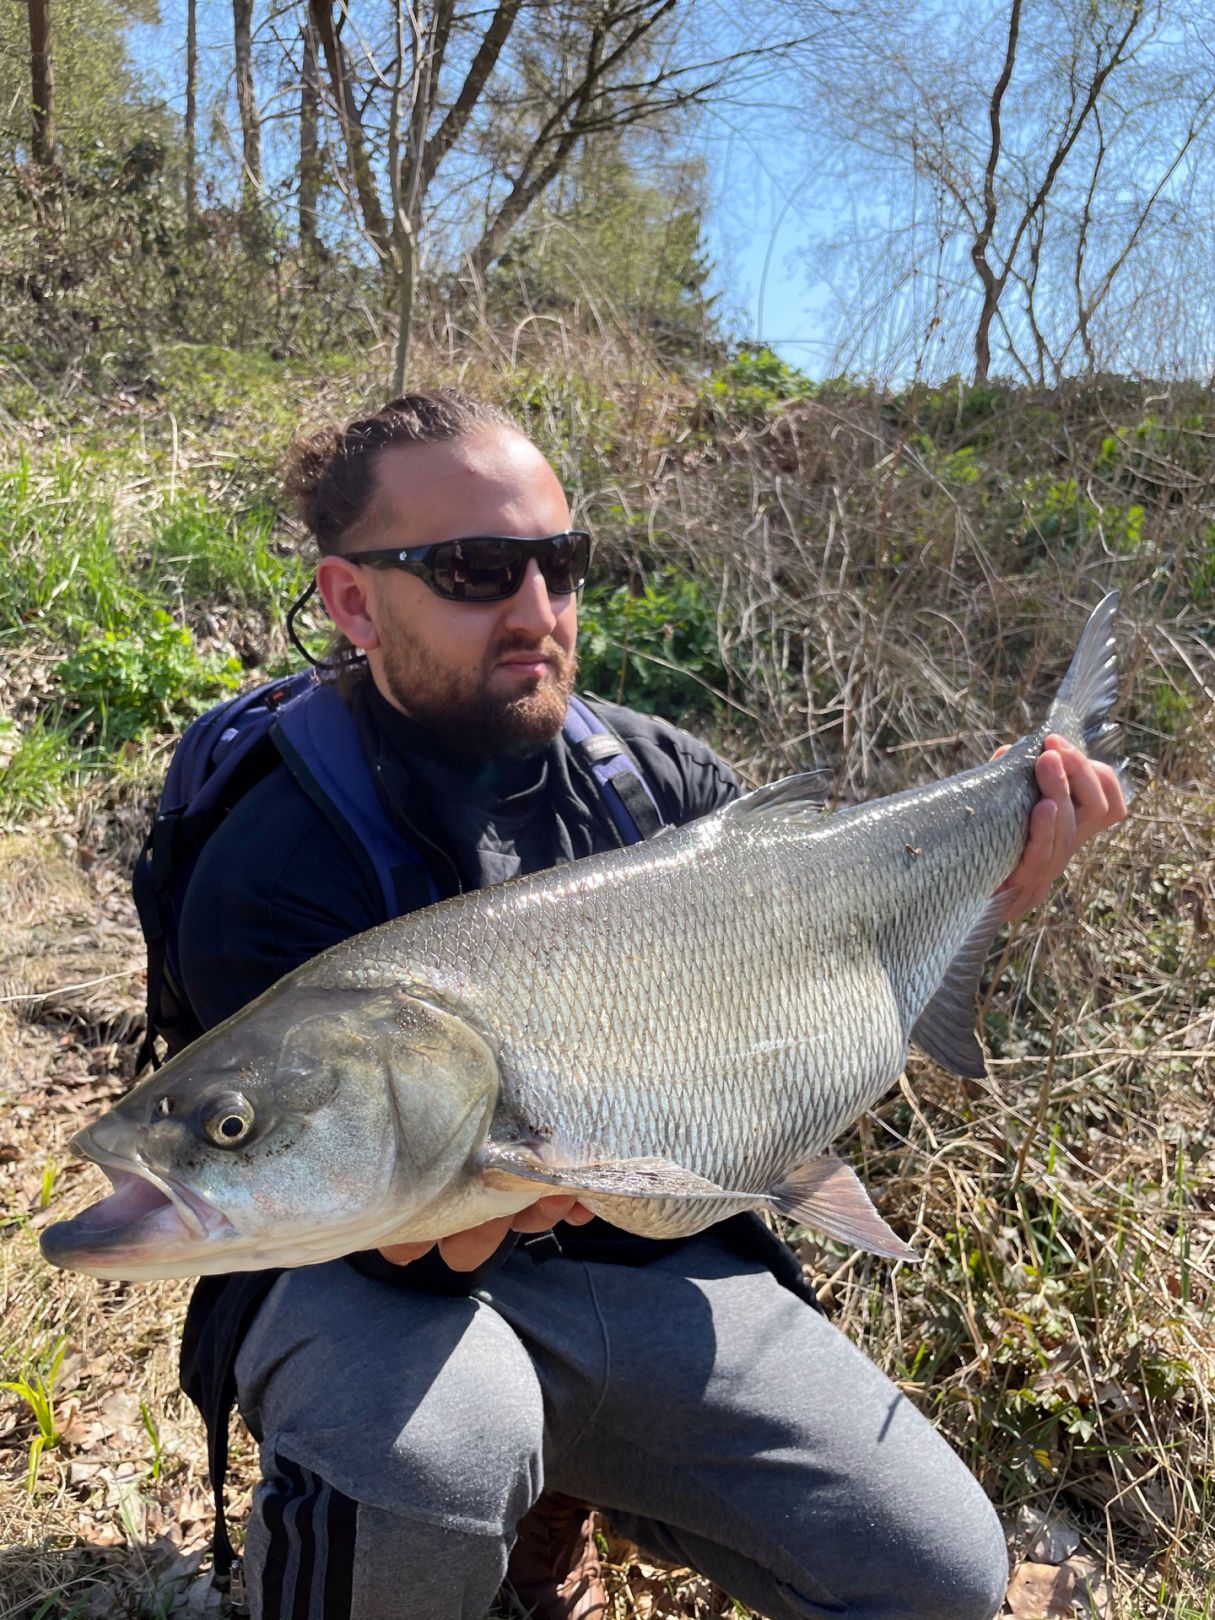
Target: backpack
{"type": "Point", "coordinates": [224, 752]}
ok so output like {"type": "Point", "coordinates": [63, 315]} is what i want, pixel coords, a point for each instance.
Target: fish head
{"type": "Point", "coordinates": [303, 1128]}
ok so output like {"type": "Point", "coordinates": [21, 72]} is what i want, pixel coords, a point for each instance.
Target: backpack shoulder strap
{"type": "Point", "coordinates": [625, 791]}
{"type": "Point", "coordinates": [318, 737]}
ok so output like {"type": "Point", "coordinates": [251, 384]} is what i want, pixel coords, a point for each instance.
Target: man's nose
{"type": "Point", "coordinates": [531, 607]}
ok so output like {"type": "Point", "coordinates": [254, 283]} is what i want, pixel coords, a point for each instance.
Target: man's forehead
{"type": "Point", "coordinates": [493, 455]}
{"type": "Point", "coordinates": [495, 480]}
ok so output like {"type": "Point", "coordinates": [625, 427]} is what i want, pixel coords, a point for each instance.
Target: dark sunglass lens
{"type": "Point", "coordinates": [479, 571]}
{"type": "Point", "coordinates": [564, 563]}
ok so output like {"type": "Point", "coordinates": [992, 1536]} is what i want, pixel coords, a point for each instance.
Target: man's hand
{"type": "Point", "coordinates": [1080, 797]}
{"type": "Point", "coordinates": [465, 1251]}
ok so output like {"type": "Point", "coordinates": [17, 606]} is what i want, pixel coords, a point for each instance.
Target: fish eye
{"type": "Point", "coordinates": [228, 1120]}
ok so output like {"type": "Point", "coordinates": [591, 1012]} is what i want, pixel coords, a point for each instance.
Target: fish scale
{"type": "Point", "coordinates": [654, 1067]}
{"type": "Point", "coordinates": [669, 1032]}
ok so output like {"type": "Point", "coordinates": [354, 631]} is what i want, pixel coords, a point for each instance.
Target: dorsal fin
{"type": "Point", "coordinates": [806, 794]}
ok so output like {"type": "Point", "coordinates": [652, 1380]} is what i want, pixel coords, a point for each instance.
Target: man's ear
{"type": "Point", "coordinates": [344, 588]}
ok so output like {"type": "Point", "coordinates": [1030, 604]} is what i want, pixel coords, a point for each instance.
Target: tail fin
{"type": "Point", "coordinates": [1081, 708]}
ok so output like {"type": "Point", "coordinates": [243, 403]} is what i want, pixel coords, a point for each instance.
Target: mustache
{"type": "Point", "coordinates": [519, 641]}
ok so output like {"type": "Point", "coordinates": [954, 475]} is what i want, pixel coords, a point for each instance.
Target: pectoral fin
{"type": "Point", "coordinates": [945, 1030]}
{"type": "Point", "coordinates": [826, 1194]}
{"type": "Point", "coordinates": [507, 1166]}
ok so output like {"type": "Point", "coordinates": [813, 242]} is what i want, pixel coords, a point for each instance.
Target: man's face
{"type": "Point", "coordinates": [489, 678]}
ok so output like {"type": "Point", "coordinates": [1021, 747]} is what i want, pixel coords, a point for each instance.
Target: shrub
{"type": "Point", "coordinates": [655, 649]}
{"type": "Point", "coordinates": [123, 684]}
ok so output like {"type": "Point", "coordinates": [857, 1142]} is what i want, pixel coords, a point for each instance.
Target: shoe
{"type": "Point", "coordinates": [554, 1571]}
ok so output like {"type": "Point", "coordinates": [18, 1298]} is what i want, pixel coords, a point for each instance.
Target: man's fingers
{"type": "Point", "coordinates": [402, 1253]}
{"type": "Point", "coordinates": [1080, 797]}
{"type": "Point", "coordinates": [1055, 785]}
{"type": "Point", "coordinates": [547, 1212]}
{"type": "Point", "coordinates": [465, 1251]}
{"type": "Point", "coordinates": [1115, 798]}
{"type": "Point", "coordinates": [1087, 785]}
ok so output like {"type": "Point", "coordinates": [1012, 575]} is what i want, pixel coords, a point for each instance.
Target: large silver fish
{"type": "Point", "coordinates": [673, 1032]}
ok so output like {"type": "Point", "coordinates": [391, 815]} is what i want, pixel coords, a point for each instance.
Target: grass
{"type": "Point", "coordinates": [36, 1387]}
{"type": "Point", "coordinates": [888, 586]}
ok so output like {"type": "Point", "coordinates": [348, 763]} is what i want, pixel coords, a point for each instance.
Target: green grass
{"type": "Point", "coordinates": [200, 553]}
{"type": "Point", "coordinates": [62, 565]}
{"type": "Point", "coordinates": [35, 1385]}
{"type": "Point", "coordinates": [135, 590]}
{"type": "Point", "coordinates": [45, 766]}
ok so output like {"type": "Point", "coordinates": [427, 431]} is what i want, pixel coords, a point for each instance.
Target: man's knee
{"type": "Point", "coordinates": [956, 1570]}
{"type": "Point", "coordinates": [466, 1454]}
{"type": "Point", "coordinates": [429, 1408]}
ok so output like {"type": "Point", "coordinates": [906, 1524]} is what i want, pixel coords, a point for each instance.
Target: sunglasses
{"type": "Point", "coordinates": [488, 567]}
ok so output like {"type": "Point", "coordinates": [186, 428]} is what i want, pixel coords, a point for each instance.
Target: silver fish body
{"type": "Point", "coordinates": [671, 1032]}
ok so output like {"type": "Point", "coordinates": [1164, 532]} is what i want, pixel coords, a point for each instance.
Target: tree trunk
{"type": "Point", "coordinates": [42, 82]}
{"type": "Point", "coordinates": [406, 244]}
{"type": "Point", "coordinates": [191, 134]}
{"type": "Point", "coordinates": [250, 123]}
{"type": "Point", "coordinates": [310, 152]}
{"type": "Point", "coordinates": [320, 15]}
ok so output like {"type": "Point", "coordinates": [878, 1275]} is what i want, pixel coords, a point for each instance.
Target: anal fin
{"type": "Point", "coordinates": [826, 1193]}
{"type": "Point", "coordinates": [945, 1030]}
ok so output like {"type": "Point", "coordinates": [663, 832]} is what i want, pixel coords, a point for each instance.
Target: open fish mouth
{"type": "Point", "coordinates": [145, 1213]}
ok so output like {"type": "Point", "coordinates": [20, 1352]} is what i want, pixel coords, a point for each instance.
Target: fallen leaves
{"type": "Point", "coordinates": [1074, 1590]}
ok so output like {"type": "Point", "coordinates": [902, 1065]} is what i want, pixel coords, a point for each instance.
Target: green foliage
{"type": "Point", "coordinates": [35, 1384]}
{"type": "Point", "coordinates": [122, 684]}
{"type": "Point", "coordinates": [1056, 513]}
{"type": "Point", "coordinates": [610, 244]}
{"type": "Point", "coordinates": [753, 382]}
{"type": "Point", "coordinates": [654, 649]}
{"type": "Point", "coordinates": [952, 408]}
{"type": "Point", "coordinates": [1158, 453]}
{"type": "Point", "coordinates": [58, 549]}
{"type": "Point", "coordinates": [1202, 569]}
{"type": "Point", "coordinates": [574, 422]}
{"type": "Point", "coordinates": [39, 764]}
{"type": "Point", "coordinates": [98, 90]}
{"type": "Point", "coordinates": [257, 393]}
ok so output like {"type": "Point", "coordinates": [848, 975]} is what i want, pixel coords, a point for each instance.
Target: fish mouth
{"type": "Point", "coordinates": [146, 1217]}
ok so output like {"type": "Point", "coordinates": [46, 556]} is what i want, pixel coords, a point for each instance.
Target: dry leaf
{"type": "Point", "coordinates": [1041, 1592]}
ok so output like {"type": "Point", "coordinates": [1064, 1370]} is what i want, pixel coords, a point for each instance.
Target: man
{"type": "Point", "coordinates": [412, 1414]}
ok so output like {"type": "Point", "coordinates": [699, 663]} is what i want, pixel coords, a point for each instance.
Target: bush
{"type": "Point", "coordinates": [655, 649]}
{"type": "Point", "coordinates": [123, 684]}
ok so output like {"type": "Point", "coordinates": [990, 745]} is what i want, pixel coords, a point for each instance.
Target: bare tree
{"type": "Point", "coordinates": [483, 107]}
{"type": "Point", "coordinates": [1111, 43]}
{"type": "Point", "coordinates": [42, 81]}
{"type": "Point", "coordinates": [342, 87]}
{"type": "Point", "coordinates": [1002, 195]}
{"type": "Point", "coordinates": [250, 120]}
{"type": "Point", "coordinates": [191, 128]}
{"type": "Point", "coordinates": [310, 152]}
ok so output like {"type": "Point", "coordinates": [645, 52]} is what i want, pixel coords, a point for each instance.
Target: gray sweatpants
{"type": "Point", "coordinates": [719, 1420]}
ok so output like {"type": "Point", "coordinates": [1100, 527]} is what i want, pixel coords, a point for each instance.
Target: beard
{"type": "Point", "coordinates": [462, 708]}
